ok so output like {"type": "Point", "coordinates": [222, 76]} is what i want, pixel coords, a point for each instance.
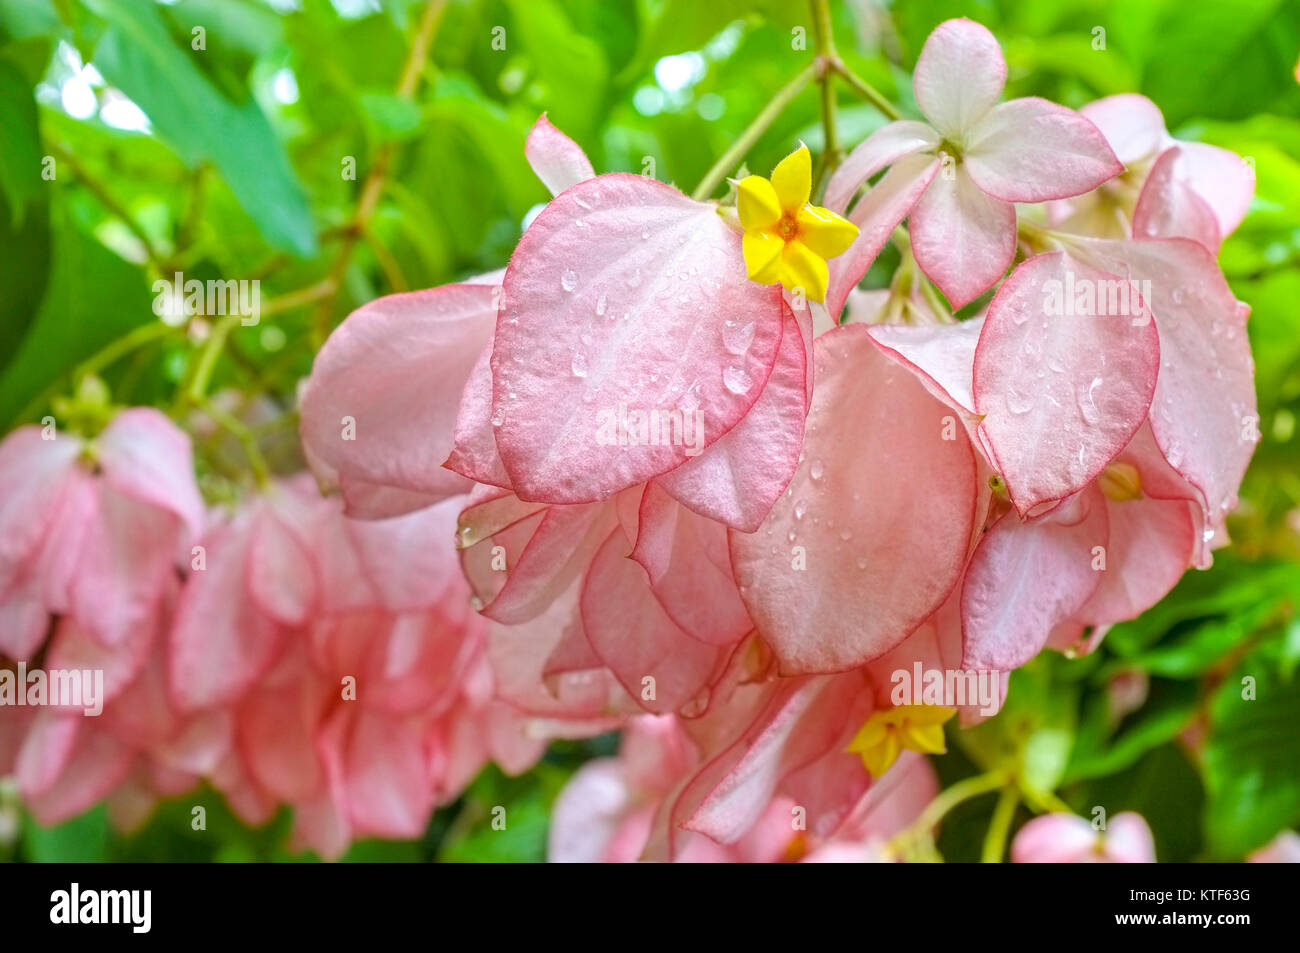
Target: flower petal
{"type": "Point", "coordinates": [1063, 382]}
{"type": "Point", "coordinates": [802, 269]}
{"type": "Point", "coordinates": [792, 179]}
{"type": "Point", "coordinates": [825, 232]}
{"type": "Point", "coordinates": [379, 410]}
{"type": "Point", "coordinates": [959, 76]}
{"type": "Point", "coordinates": [1027, 577]}
{"type": "Point", "coordinates": [756, 202]}
{"type": "Point", "coordinates": [556, 159]}
{"type": "Point", "coordinates": [964, 239]}
{"type": "Point", "coordinates": [883, 147]}
{"type": "Point", "coordinates": [1032, 150]}
{"type": "Point", "coordinates": [763, 256]}
{"type": "Point", "coordinates": [738, 479]}
{"type": "Point", "coordinates": [860, 558]}
{"type": "Point", "coordinates": [595, 317]}
{"type": "Point", "coordinates": [876, 216]}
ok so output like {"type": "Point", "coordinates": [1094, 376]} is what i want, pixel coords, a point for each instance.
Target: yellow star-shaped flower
{"type": "Point", "coordinates": [787, 240]}
{"type": "Point", "coordinates": [889, 730]}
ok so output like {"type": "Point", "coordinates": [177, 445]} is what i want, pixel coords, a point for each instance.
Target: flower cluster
{"type": "Point", "coordinates": [700, 486]}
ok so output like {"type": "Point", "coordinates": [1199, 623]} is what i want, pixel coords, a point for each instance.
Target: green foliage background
{"type": "Point", "coordinates": [235, 181]}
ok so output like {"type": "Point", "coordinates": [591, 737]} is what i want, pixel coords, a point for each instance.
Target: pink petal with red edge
{"type": "Point", "coordinates": [518, 655]}
{"type": "Point", "coordinates": [1026, 578]}
{"type": "Point", "coordinates": [1169, 208]}
{"type": "Point", "coordinates": [221, 642]}
{"type": "Point", "coordinates": [1032, 150]}
{"type": "Point", "coordinates": [124, 562]}
{"type": "Point", "coordinates": [144, 455]}
{"type": "Point", "coordinates": [959, 76]}
{"type": "Point", "coordinates": [474, 454]}
{"type": "Point", "coordinates": [560, 549]}
{"type": "Point", "coordinates": [556, 159]}
{"type": "Point", "coordinates": [623, 293]}
{"type": "Point", "coordinates": [98, 764]}
{"type": "Point", "coordinates": [275, 733]}
{"type": "Point", "coordinates": [685, 557]}
{"type": "Point", "coordinates": [863, 594]}
{"type": "Point", "coordinates": [963, 238]}
{"type": "Point", "coordinates": [409, 559]}
{"type": "Point", "coordinates": [1132, 125]}
{"type": "Point", "coordinates": [1207, 433]}
{"type": "Point", "coordinates": [396, 367]}
{"type": "Point", "coordinates": [738, 479]}
{"type": "Point", "coordinates": [804, 721]}
{"type": "Point", "coordinates": [1152, 542]}
{"type": "Point", "coordinates": [883, 147]}
{"type": "Point", "coordinates": [281, 573]}
{"type": "Point", "coordinates": [1062, 393]}
{"type": "Point", "coordinates": [32, 472]}
{"type": "Point", "coordinates": [637, 640]}
{"type": "Point", "coordinates": [378, 772]}
{"type": "Point", "coordinates": [1225, 180]}
{"type": "Point", "coordinates": [942, 355]}
{"type": "Point", "coordinates": [877, 215]}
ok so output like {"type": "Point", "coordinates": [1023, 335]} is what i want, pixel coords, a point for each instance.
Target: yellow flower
{"type": "Point", "coordinates": [786, 239]}
{"type": "Point", "coordinates": [889, 730]}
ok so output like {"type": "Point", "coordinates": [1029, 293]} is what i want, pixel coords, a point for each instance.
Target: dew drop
{"type": "Point", "coordinates": [1087, 406]}
{"type": "Point", "coordinates": [800, 509]}
{"type": "Point", "coordinates": [579, 365]}
{"type": "Point", "coordinates": [816, 471]}
{"type": "Point", "coordinates": [600, 305]}
{"type": "Point", "coordinates": [738, 337]}
{"type": "Point", "coordinates": [737, 380]}
{"type": "Point", "coordinates": [569, 279]}
{"type": "Point", "coordinates": [634, 279]}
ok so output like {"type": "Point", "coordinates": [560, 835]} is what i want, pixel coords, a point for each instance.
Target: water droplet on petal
{"type": "Point", "coordinates": [1087, 405]}
{"type": "Point", "coordinates": [816, 471]}
{"type": "Point", "coordinates": [738, 337]}
{"type": "Point", "coordinates": [569, 279]}
{"type": "Point", "coordinates": [600, 305]}
{"type": "Point", "coordinates": [579, 364]}
{"type": "Point", "coordinates": [800, 509]}
{"type": "Point", "coordinates": [737, 380]}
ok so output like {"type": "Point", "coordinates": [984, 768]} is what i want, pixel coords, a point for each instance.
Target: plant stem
{"type": "Point", "coordinates": [995, 840]}
{"type": "Point", "coordinates": [113, 351]}
{"type": "Point", "coordinates": [733, 156]}
{"type": "Point", "coordinates": [373, 187]}
{"type": "Point", "coordinates": [866, 90]}
{"type": "Point", "coordinates": [825, 41]}
{"type": "Point", "coordinates": [238, 430]}
{"type": "Point", "coordinates": [948, 799]}
{"type": "Point", "coordinates": [112, 205]}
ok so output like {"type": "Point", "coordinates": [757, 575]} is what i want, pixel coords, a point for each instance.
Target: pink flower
{"type": "Point", "coordinates": [960, 175]}
{"type": "Point", "coordinates": [1282, 849]}
{"type": "Point", "coordinates": [1069, 839]}
{"type": "Point", "coordinates": [623, 295]}
{"type": "Point", "coordinates": [613, 808]}
{"type": "Point", "coordinates": [91, 530]}
{"type": "Point", "coordinates": [1169, 189]}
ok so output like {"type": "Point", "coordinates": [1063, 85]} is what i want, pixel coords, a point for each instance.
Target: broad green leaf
{"type": "Point", "coordinates": [1252, 755]}
{"type": "Point", "coordinates": [138, 56]}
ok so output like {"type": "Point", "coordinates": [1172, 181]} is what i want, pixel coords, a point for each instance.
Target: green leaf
{"type": "Point", "coordinates": [93, 297]}
{"type": "Point", "coordinates": [138, 56]}
{"type": "Point", "coordinates": [20, 154]}
{"type": "Point", "coordinates": [1251, 757]}
{"type": "Point", "coordinates": [1169, 709]}
{"type": "Point", "coordinates": [83, 839]}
